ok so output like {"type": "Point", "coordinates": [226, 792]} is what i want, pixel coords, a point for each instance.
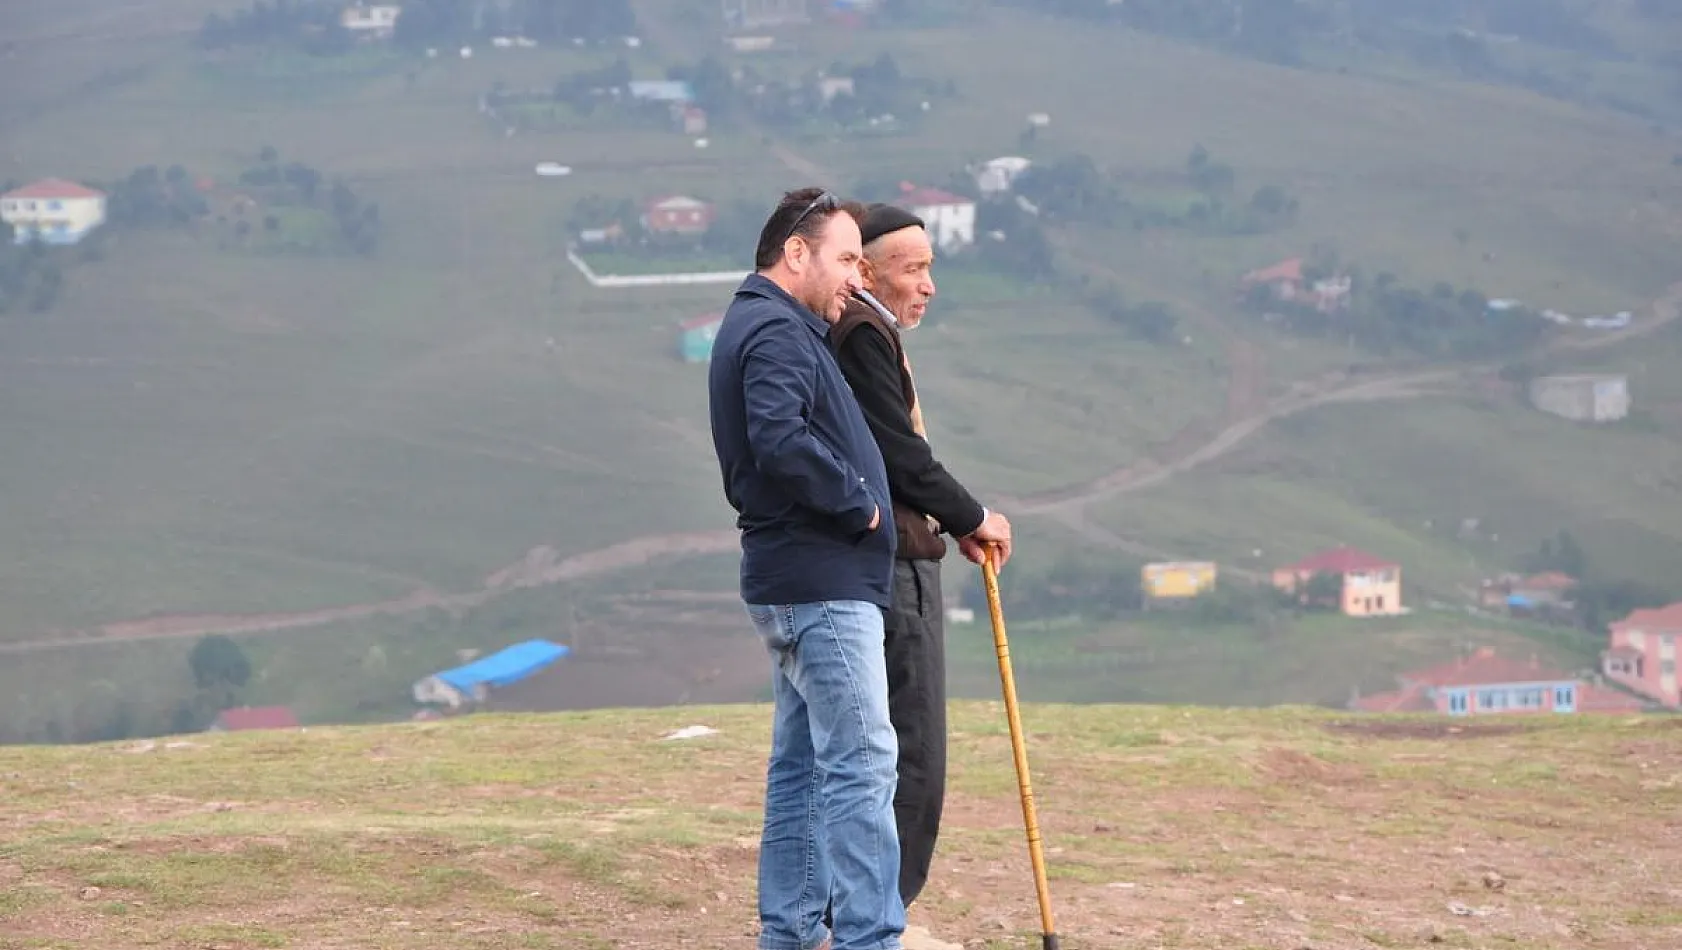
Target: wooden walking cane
{"type": "Point", "coordinates": [1018, 747]}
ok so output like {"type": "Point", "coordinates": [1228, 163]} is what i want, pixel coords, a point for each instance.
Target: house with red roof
{"type": "Point", "coordinates": [949, 218]}
{"type": "Point", "coordinates": [1641, 653]}
{"type": "Point", "coordinates": [695, 343]}
{"type": "Point", "coordinates": [677, 214]}
{"type": "Point", "coordinates": [1284, 277]}
{"type": "Point", "coordinates": [1486, 683]}
{"type": "Point", "coordinates": [53, 211]}
{"type": "Point", "coordinates": [246, 718]}
{"type": "Point", "coordinates": [1287, 283]}
{"type": "Point", "coordinates": [1367, 585]}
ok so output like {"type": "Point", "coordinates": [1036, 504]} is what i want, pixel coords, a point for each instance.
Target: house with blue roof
{"type": "Point", "coordinates": [472, 682]}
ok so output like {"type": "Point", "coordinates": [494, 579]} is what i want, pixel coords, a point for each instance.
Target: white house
{"type": "Point", "coordinates": [996, 176]}
{"type": "Point", "coordinates": [661, 90]}
{"type": "Point", "coordinates": [373, 22]}
{"type": "Point", "coordinates": [1582, 398]}
{"type": "Point", "coordinates": [950, 218]}
{"type": "Point", "coordinates": [831, 86]}
{"type": "Point", "coordinates": [754, 14]}
{"type": "Point", "coordinates": [53, 211]}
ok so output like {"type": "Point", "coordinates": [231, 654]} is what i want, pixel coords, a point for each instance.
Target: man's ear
{"type": "Point", "coordinates": [867, 273]}
{"type": "Point", "coordinates": [796, 251]}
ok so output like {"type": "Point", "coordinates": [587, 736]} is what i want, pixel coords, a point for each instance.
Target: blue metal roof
{"type": "Point", "coordinates": [508, 665]}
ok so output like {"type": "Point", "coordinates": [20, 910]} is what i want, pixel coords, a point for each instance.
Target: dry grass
{"type": "Point", "coordinates": [1165, 827]}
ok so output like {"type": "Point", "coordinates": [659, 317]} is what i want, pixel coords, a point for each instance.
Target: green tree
{"type": "Point", "coordinates": [1197, 160]}
{"type": "Point", "coordinates": [1152, 322]}
{"type": "Point", "coordinates": [217, 661]}
{"type": "Point", "coordinates": [1559, 553]}
{"type": "Point", "coordinates": [220, 673]}
{"type": "Point", "coordinates": [1601, 603]}
{"type": "Point", "coordinates": [1206, 174]}
{"type": "Point", "coordinates": [714, 88]}
{"type": "Point", "coordinates": [304, 178]}
{"type": "Point", "coordinates": [1071, 187]}
{"type": "Point", "coordinates": [1324, 590]}
{"type": "Point", "coordinates": [1274, 201]}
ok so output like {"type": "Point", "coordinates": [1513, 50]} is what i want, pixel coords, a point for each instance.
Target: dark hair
{"type": "Point", "coordinates": [802, 212]}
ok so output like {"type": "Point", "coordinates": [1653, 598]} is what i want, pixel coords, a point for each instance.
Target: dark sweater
{"type": "Point", "coordinates": [872, 358]}
{"type": "Point", "coordinates": [799, 464]}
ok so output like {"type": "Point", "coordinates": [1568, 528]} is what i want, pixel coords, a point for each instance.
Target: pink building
{"type": "Point", "coordinates": [1641, 653]}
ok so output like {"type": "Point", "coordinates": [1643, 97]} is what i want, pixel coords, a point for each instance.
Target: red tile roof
{"type": "Point", "coordinates": [1485, 668]}
{"type": "Point", "coordinates": [1290, 270]}
{"type": "Point", "coordinates": [53, 188]}
{"type": "Point", "coordinates": [923, 197]}
{"type": "Point", "coordinates": [1341, 561]}
{"type": "Point", "coordinates": [257, 717]}
{"type": "Point", "coordinates": [1661, 618]}
{"type": "Point", "coordinates": [674, 202]}
{"type": "Point", "coordinates": [1411, 699]}
{"type": "Point", "coordinates": [1548, 580]}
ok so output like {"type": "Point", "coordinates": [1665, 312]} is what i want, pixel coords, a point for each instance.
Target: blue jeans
{"type": "Point", "coordinates": [829, 834]}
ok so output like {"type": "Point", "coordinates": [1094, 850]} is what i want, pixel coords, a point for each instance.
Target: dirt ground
{"type": "Point", "coordinates": [1163, 827]}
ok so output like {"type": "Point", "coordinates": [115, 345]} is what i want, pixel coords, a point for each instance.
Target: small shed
{"type": "Point", "coordinates": [695, 341]}
{"type": "Point", "coordinates": [473, 681]}
{"type": "Point", "coordinates": [247, 718]}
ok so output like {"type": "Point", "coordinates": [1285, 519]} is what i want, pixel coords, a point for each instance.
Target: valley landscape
{"type": "Point", "coordinates": [365, 369]}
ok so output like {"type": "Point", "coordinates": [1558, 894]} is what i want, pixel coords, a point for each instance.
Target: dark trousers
{"type": "Point", "coordinates": [916, 647]}
{"type": "Point", "coordinates": [916, 653]}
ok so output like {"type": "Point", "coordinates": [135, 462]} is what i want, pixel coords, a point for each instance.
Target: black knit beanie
{"type": "Point", "coordinates": [880, 219]}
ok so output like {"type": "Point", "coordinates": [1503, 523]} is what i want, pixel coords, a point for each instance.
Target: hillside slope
{"type": "Point", "coordinates": [1165, 827]}
{"type": "Point", "coordinates": [363, 464]}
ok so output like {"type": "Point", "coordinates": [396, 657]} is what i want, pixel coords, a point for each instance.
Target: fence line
{"type": "Point", "coordinates": [652, 280]}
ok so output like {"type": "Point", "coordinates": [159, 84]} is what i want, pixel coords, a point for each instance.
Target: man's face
{"type": "Point", "coordinates": [831, 267]}
{"type": "Point", "coordinates": [900, 275]}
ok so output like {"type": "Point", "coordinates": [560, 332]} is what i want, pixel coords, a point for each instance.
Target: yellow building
{"type": "Point", "coordinates": [1177, 580]}
{"type": "Point", "coordinates": [1368, 586]}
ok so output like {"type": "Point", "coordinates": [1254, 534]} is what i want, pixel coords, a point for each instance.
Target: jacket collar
{"type": "Point", "coordinates": [877, 306]}
{"type": "Point", "coordinates": [758, 285]}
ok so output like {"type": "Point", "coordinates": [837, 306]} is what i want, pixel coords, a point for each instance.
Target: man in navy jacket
{"type": "Point", "coordinates": [810, 490]}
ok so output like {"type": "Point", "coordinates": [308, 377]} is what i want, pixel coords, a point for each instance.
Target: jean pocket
{"type": "Point", "coordinates": [768, 622]}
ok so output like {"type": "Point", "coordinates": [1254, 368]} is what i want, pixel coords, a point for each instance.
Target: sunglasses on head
{"type": "Point", "coordinates": [823, 202]}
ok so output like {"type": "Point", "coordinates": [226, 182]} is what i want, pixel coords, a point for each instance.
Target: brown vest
{"type": "Point", "coordinates": [918, 534]}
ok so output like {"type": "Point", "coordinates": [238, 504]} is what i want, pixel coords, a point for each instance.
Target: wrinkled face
{"type": "Point", "coordinates": [828, 270]}
{"type": "Point", "coordinates": [898, 273]}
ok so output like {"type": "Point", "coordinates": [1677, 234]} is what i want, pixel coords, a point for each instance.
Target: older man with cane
{"type": "Point", "coordinates": [926, 501]}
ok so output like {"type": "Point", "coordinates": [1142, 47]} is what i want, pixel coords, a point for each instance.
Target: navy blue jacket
{"type": "Point", "coordinates": [800, 466]}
